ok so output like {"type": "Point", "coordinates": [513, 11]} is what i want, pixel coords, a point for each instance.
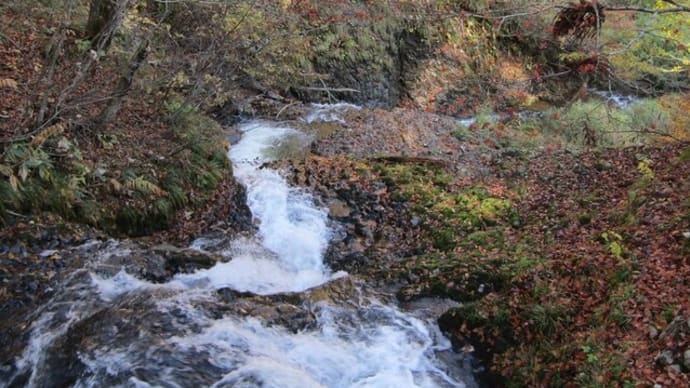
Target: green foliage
{"type": "Point", "coordinates": [668, 313]}
{"type": "Point", "coordinates": [685, 155]}
{"type": "Point", "coordinates": [448, 215]}
{"type": "Point", "coordinates": [45, 177]}
{"type": "Point", "coordinates": [594, 123]}
{"type": "Point", "coordinates": [613, 242]}
{"type": "Point", "coordinates": [545, 318]}
{"type": "Point", "coordinates": [49, 175]}
{"type": "Point", "coordinates": [644, 169]}
{"type": "Point", "coordinates": [470, 313]}
{"type": "Point", "coordinates": [268, 43]}
{"type": "Point", "coordinates": [82, 45]}
{"type": "Point", "coordinates": [598, 364]}
{"type": "Point", "coordinates": [656, 48]}
{"type": "Point", "coordinates": [144, 186]}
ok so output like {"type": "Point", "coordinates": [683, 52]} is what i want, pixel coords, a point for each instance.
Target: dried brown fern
{"type": "Point", "coordinates": [579, 20]}
{"type": "Point", "coordinates": [144, 186]}
{"type": "Point", "coordinates": [47, 132]}
{"type": "Point", "coordinates": [8, 83]}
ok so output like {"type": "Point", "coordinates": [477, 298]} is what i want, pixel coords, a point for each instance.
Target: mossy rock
{"type": "Point", "coordinates": [468, 314]}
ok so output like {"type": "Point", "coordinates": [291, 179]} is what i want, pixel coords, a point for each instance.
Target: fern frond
{"type": "Point", "coordinates": [8, 83]}
{"type": "Point", "coordinates": [52, 130]}
{"type": "Point", "coordinates": [142, 185]}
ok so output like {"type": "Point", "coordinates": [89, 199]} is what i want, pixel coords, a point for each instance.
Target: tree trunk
{"type": "Point", "coordinates": [122, 88]}
{"type": "Point", "coordinates": [104, 18]}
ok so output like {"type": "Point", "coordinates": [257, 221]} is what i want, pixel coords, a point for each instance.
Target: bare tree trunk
{"type": "Point", "coordinates": [105, 17]}
{"type": "Point", "coordinates": [52, 55]}
{"type": "Point", "coordinates": [122, 88]}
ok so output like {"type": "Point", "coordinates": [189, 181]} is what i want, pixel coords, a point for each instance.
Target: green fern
{"type": "Point", "coordinates": [142, 185]}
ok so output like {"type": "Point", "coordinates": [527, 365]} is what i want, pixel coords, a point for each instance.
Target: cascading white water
{"type": "Point", "coordinates": [173, 338]}
{"type": "Point", "coordinates": [293, 232]}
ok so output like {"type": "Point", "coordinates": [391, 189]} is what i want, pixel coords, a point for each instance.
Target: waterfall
{"type": "Point", "coordinates": [210, 327]}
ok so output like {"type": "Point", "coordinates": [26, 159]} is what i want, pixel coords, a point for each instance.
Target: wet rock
{"type": "Point", "coordinates": [653, 332]}
{"type": "Point", "coordinates": [345, 290]}
{"type": "Point", "coordinates": [458, 324]}
{"type": "Point", "coordinates": [185, 259]}
{"type": "Point", "coordinates": [664, 358]}
{"type": "Point", "coordinates": [338, 209]}
{"type": "Point", "coordinates": [155, 264]}
{"type": "Point", "coordinates": [134, 321]}
{"type": "Point", "coordinates": [365, 229]}
{"type": "Point", "coordinates": [144, 325]}
{"type": "Point", "coordinates": [415, 221]}
{"type": "Point", "coordinates": [396, 132]}
{"type": "Point", "coordinates": [603, 165]}
{"type": "Point", "coordinates": [432, 307]}
{"type": "Point", "coordinates": [284, 310]}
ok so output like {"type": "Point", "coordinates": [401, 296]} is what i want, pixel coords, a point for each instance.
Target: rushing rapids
{"type": "Point", "coordinates": [270, 313]}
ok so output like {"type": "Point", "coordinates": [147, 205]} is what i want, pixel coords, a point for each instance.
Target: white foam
{"type": "Point", "coordinates": [257, 270]}
{"type": "Point", "coordinates": [292, 229]}
{"type": "Point", "coordinates": [329, 112]}
{"type": "Point", "coordinates": [114, 286]}
{"type": "Point", "coordinates": [620, 101]}
{"type": "Point", "coordinates": [390, 350]}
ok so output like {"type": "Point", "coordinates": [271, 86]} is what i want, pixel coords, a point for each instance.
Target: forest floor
{"type": "Point", "coordinates": [572, 268]}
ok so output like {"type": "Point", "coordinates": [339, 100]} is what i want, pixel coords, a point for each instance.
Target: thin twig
{"type": "Point", "coordinates": [327, 89]}
{"type": "Point", "coordinates": [15, 214]}
{"type": "Point", "coordinates": [285, 107]}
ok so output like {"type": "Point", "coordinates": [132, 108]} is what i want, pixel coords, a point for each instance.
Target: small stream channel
{"type": "Point", "coordinates": [270, 314]}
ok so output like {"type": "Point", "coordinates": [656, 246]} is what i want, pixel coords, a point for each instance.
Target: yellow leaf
{"type": "Point", "coordinates": [5, 170]}
{"type": "Point", "coordinates": [23, 172]}
{"type": "Point", "coordinates": [116, 185]}
{"type": "Point", "coordinates": [14, 183]}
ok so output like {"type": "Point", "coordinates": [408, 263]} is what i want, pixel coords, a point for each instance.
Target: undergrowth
{"type": "Point", "coordinates": [52, 176]}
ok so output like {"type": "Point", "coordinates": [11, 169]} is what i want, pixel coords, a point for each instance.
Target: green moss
{"type": "Point", "coordinates": [448, 216]}
{"type": "Point", "coordinates": [469, 313]}
{"type": "Point", "coordinates": [684, 155]}
{"type": "Point", "coordinates": [545, 318]}
{"type": "Point", "coordinates": [443, 239]}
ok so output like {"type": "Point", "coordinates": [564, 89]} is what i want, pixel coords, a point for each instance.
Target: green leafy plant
{"type": "Point", "coordinates": [613, 242]}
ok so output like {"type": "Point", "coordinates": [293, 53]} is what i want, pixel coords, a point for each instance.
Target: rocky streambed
{"type": "Point", "coordinates": [391, 224]}
{"type": "Point", "coordinates": [259, 308]}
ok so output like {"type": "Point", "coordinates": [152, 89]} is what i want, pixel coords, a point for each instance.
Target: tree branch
{"type": "Point", "coordinates": [678, 8]}
{"type": "Point", "coordinates": [327, 89]}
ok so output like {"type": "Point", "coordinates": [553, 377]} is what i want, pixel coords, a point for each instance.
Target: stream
{"type": "Point", "coordinates": [270, 313]}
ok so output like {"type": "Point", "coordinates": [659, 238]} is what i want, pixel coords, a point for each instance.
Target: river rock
{"type": "Point", "coordinates": [185, 259]}
{"type": "Point", "coordinates": [664, 358]}
{"type": "Point", "coordinates": [156, 264]}
{"type": "Point", "coordinates": [338, 209]}
{"type": "Point", "coordinates": [284, 310]}
{"type": "Point", "coordinates": [341, 291]}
